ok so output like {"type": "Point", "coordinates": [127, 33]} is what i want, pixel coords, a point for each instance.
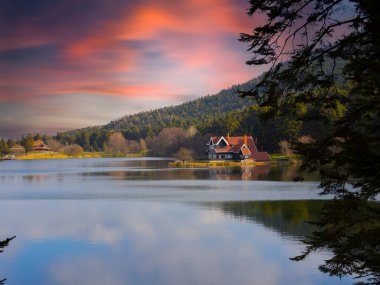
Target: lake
{"type": "Point", "coordinates": [137, 221]}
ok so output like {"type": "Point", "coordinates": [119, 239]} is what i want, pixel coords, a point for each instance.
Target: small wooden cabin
{"type": "Point", "coordinates": [235, 148]}
{"type": "Point", "coordinates": [39, 145]}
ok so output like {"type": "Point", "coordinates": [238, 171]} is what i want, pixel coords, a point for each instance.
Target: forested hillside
{"type": "Point", "coordinates": [222, 113]}
{"type": "Point", "coordinates": [193, 113]}
{"type": "Point", "coordinates": [187, 125]}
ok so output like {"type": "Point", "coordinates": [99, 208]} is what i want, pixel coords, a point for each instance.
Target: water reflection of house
{"type": "Point", "coordinates": [240, 173]}
{"type": "Point", "coordinates": [235, 148]}
{"type": "Point", "coordinates": [39, 145]}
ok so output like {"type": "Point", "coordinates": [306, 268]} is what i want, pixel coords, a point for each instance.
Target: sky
{"type": "Point", "coordinates": [74, 63]}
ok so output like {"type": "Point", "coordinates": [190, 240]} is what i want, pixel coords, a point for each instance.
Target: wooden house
{"type": "Point", "coordinates": [39, 145]}
{"type": "Point", "coordinates": [235, 148]}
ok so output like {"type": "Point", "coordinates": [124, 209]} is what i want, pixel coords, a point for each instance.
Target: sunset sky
{"type": "Point", "coordinates": [74, 63]}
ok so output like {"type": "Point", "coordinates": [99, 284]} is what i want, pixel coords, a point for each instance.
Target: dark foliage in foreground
{"type": "Point", "coordinates": [5, 243]}
{"type": "Point", "coordinates": [344, 35]}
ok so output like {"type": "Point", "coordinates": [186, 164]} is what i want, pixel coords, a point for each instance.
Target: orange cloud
{"type": "Point", "coordinates": [192, 34]}
{"type": "Point", "coordinates": [159, 49]}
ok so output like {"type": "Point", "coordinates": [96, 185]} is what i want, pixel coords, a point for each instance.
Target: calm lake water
{"type": "Point", "coordinates": [137, 221]}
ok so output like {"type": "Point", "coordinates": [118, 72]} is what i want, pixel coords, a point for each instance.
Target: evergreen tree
{"type": "Point", "coordinates": [37, 137]}
{"type": "Point", "coordinates": [27, 142]}
{"type": "Point", "coordinates": [327, 42]}
{"type": "Point", "coordinates": [11, 143]}
{"type": "Point", "coordinates": [4, 148]}
{"type": "Point", "coordinates": [230, 124]}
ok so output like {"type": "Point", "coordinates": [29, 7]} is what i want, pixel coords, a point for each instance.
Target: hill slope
{"type": "Point", "coordinates": [184, 115]}
{"type": "Point", "coordinates": [222, 113]}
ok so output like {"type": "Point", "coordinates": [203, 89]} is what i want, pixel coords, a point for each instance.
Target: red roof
{"type": "Point", "coordinates": [245, 151]}
{"type": "Point", "coordinates": [260, 156]}
{"type": "Point", "coordinates": [225, 149]}
{"type": "Point", "coordinates": [235, 144]}
{"type": "Point", "coordinates": [39, 145]}
{"type": "Point", "coordinates": [216, 139]}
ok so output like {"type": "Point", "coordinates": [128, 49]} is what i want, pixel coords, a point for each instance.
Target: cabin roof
{"type": "Point", "coordinates": [237, 143]}
{"type": "Point", "coordinates": [38, 143]}
{"type": "Point", "coordinates": [261, 156]}
{"type": "Point", "coordinates": [245, 151]}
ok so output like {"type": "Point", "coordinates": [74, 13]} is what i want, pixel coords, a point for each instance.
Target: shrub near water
{"type": "Point", "coordinates": [73, 149]}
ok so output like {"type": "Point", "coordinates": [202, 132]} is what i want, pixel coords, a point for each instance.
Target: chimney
{"type": "Point", "coordinates": [245, 139]}
{"type": "Point", "coordinates": [228, 136]}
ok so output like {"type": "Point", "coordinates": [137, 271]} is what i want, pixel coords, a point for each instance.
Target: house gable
{"type": "Point", "coordinates": [220, 141]}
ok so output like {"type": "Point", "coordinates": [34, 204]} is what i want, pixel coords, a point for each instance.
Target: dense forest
{"type": "Point", "coordinates": [199, 113]}
{"type": "Point", "coordinates": [186, 125]}
{"type": "Point", "coordinates": [222, 113]}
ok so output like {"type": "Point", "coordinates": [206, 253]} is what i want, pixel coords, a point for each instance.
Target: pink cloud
{"type": "Point", "coordinates": [154, 50]}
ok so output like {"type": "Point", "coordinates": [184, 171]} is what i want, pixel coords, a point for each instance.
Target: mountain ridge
{"type": "Point", "coordinates": [187, 113]}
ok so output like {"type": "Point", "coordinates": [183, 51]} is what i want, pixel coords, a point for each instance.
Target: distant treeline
{"type": "Point", "coordinates": [188, 125]}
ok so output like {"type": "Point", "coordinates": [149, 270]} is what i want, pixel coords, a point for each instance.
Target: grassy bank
{"type": "Point", "coordinates": [275, 159]}
{"type": "Point", "coordinates": [216, 163]}
{"type": "Point", "coordinates": [54, 155]}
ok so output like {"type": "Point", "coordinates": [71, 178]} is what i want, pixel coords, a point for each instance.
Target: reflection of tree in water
{"type": "Point", "coordinates": [3, 244]}
{"type": "Point", "coordinates": [280, 172]}
{"type": "Point", "coordinates": [286, 217]}
{"type": "Point", "coordinates": [350, 229]}
{"type": "Point", "coordinates": [337, 230]}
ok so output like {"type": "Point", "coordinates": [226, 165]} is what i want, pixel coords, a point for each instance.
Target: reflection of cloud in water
{"type": "Point", "coordinates": [107, 229]}
{"type": "Point", "coordinates": [165, 190]}
{"type": "Point", "coordinates": [92, 270]}
{"type": "Point", "coordinates": [187, 247]}
{"type": "Point", "coordinates": [150, 243]}
{"type": "Point", "coordinates": [96, 222]}
{"type": "Point", "coordinates": [174, 265]}
{"type": "Point", "coordinates": [146, 242]}
{"type": "Point", "coordinates": [111, 221]}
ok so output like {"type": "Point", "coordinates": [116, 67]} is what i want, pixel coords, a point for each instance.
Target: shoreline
{"type": "Point", "coordinates": [276, 159]}
{"type": "Point", "coordinates": [215, 164]}
{"type": "Point", "coordinates": [55, 155]}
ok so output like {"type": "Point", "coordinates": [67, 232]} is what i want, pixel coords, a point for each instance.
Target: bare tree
{"type": "Point", "coordinates": [169, 141]}
{"type": "Point", "coordinates": [143, 146]}
{"type": "Point", "coordinates": [133, 146]}
{"type": "Point", "coordinates": [117, 144]}
{"type": "Point", "coordinates": [285, 148]}
{"type": "Point", "coordinates": [54, 144]}
{"type": "Point", "coordinates": [184, 154]}
{"type": "Point", "coordinates": [72, 149]}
